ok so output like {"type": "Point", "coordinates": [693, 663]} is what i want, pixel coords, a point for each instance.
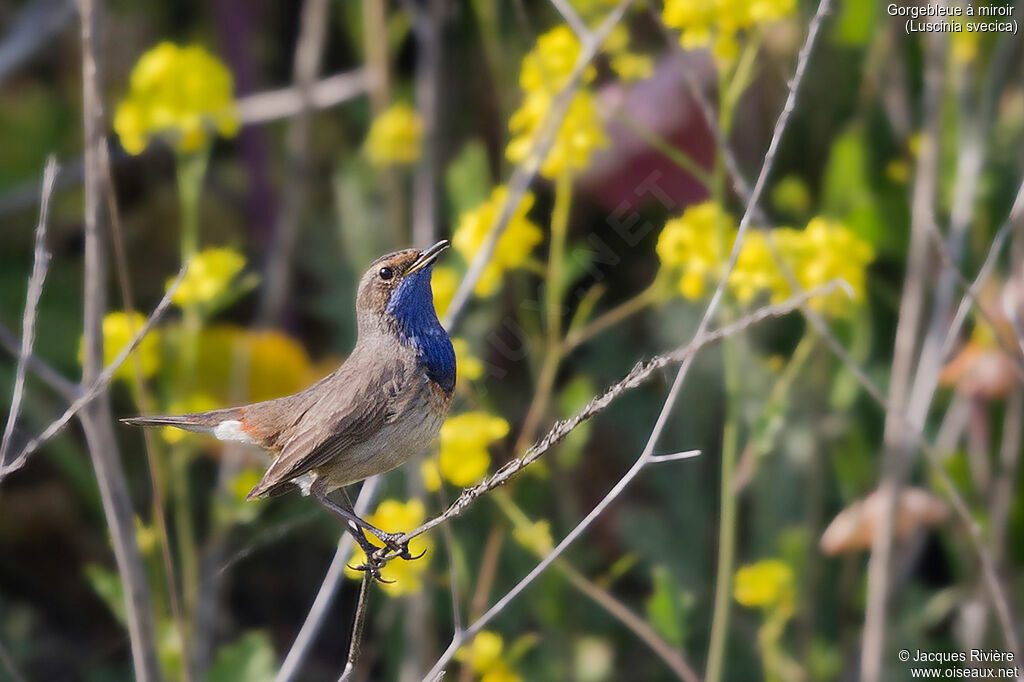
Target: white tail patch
{"type": "Point", "coordinates": [305, 482]}
{"type": "Point", "coordinates": [232, 430]}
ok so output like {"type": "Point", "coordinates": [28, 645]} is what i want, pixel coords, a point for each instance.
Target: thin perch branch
{"type": "Point", "coordinates": [328, 588]}
{"type": "Point", "coordinates": [97, 387]}
{"type": "Point", "coordinates": [97, 421]}
{"type": "Point", "coordinates": [35, 289]}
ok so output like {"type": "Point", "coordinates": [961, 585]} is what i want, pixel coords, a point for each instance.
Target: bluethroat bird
{"type": "Point", "coordinates": [383, 406]}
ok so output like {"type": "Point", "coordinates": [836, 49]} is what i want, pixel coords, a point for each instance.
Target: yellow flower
{"type": "Point", "coordinates": [118, 330]}
{"type": "Point", "coordinates": [535, 537]}
{"type": "Point", "coordinates": [431, 474]}
{"type": "Point", "coordinates": [393, 516]}
{"type": "Point", "coordinates": [180, 94]}
{"type": "Point", "coordinates": [631, 66]}
{"type": "Point", "coordinates": [545, 71]}
{"type": "Point", "coordinates": [445, 282]}
{"type": "Point", "coordinates": [277, 364]}
{"type": "Point", "coordinates": [767, 583]}
{"type": "Point", "coordinates": [464, 459]}
{"type": "Point", "coordinates": [483, 655]}
{"type": "Point", "coordinates": [716, 23]}
{"type": "Point", "coordinates": [395, 137]}
{"type": "Point", "coordinates": [696, 246]}
{"type": "Point", "coordinates": [470, 367]}
{"type": "Point", "coordinates": [513, 247]}
{"type": "Point", "coordinates": [483, 652]}
{"type": "Point", "coordinates": [824, 251]}
{"type": "Point", "coordinates": [208, 276]}
{"type": "Point", "coordinates": [756, 270]}
{"type": "Point", "coordinates": [965, 44]}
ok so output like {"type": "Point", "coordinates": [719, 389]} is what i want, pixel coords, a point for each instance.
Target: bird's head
{"type": "Point", "coordinates": [395, 299]}
{"type": "Point", "coordinates": [396, 288]}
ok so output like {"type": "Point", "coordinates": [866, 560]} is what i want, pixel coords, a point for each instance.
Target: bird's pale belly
{"type": "Point", "coordinates": [408, 436]}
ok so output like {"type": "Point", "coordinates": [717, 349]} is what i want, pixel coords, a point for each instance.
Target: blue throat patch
{"type": "Point", "coordinates": [412, 306]}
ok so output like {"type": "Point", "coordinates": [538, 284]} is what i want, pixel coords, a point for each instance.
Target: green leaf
{"type": "Point", "coordinates": [468, 178]}
{"type": "Point", "coordinates": [856, 23]}
{"type": "Point", "coordinates": [248, 659]}
{"type": "Point", "coordinates": [107, 585]}
{"type": "Point", "coordinates": [668, 607]}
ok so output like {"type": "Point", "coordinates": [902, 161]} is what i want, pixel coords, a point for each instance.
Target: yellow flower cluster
{"type": "Point", "coordinates": [393, 516]}
{"type": "Point", "coordinates": [277, 364]}
{"type": "Point", "coordinates": [445, 282]}
{"type": "Point", "coordinates": [119, 328]}
{"type": "Point", "coordinates": [395, 137]}
{"type": "Point", "coordinates": [483, 655]}
{"type": "Point", "coordinates": [208, 276]}
{"type": "Point", "coordinates": [470, 367]}
{"type": "Point", "coordinates": [535, 537]}
{"type": "Point", "coordinates": [628, 66]}
{"type": "Point", "coordinates": [825, 250]}
{"type": "Point", "coordinates": [513, 249]}
{"type": "Point", "coordinates": [696, 246]}
{"type": "Point", "coordinates": [717, 22]}
{"type": "Point", "coordinates": [180, 94]}
{"type": "Point", "coordinates": [464, 458]}
{"type": "Point", "coordinates": [766, 583]}
{"type": "Point", "coordinates": [545, 71]}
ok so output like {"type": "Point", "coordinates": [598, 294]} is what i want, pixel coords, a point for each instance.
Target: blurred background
{"type": "Point", "coordinates": [279, 147]}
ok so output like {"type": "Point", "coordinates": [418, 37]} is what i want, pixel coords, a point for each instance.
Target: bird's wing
{"type": "Point", "coordinates": [351, 414]}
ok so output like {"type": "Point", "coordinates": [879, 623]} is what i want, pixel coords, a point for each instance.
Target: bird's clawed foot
{"type": "Point", "coordinates": [391, 541]}
{"type": "Point", "coordinates": [374, 562]}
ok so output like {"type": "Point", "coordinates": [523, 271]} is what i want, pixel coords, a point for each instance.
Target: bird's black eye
{"type": "Point", "coordinates": [386, 273]}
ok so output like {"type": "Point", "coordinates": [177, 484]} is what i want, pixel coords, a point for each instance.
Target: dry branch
{"type": "Point", "coordinates": [41, 260]}
{"type": "Point", "coordinates": [98, 385]}
{"type": "Point", "coordinates": [96, 418]}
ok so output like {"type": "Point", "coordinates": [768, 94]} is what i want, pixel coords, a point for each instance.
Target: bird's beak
{"type": "Point", "coordinates": [428, 257]}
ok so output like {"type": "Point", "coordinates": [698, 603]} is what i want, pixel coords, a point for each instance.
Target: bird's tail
{"type": "Point", "coordinates": [199, 422]}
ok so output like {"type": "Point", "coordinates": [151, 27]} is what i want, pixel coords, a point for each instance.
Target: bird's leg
{"type": "Point", "coordinates": [358, 525]}
{"type": "Point", "coordinates": [373, 565]}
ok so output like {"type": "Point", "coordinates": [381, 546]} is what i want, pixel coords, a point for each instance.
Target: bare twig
{"type": "Point", "coordinates": [578, 26]}
{"type": "Point", "coordinates": [700, 336]}
{"type": "Point", "coordinates": [896, 455]}
{"type": "Point", "coordinates": [156, 478]}
{"type": "Point", "coordinates": [98, 385]}
{"type": "Point", "coordinates": [637, 625]}
{"type": "Point", "coordinates": [308, 53]}
{"type": "Point", "coordinates": [328, 588]}
{"type": "Point", "coordinates": [674, 457]}
{"type": "Point", "coordinates": [271, 105]}
{"type": "Point", "coordinates": [35, 290]}
{"type": "Point", "coordinates": [96, 418]}
{"type": "Point", "coordinates": [524, 173]}
{"type": "Point", "coordinates": [357, 628]}
{"type": "Point", "coordinates": [428, 24]}
{"type": "Point", "coordinates": [636, 377]}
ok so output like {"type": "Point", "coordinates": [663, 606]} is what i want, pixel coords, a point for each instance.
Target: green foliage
{"type": "Point", "coordinates": [250, 658]}
{"type": "Point", "coordinates": [668, 608]}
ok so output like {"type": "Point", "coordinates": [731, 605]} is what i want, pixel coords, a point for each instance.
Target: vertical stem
{"type": "Point", "coordinates": [191, 169]}
{"type": "Point", "coordinates": [553, 312]}
{"type": "Point", "coordinates": [96, 417]}
{"type": "Point", "coordinates": [429, 17]}
{"type": "Point", "coordinates": [727, 514]}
